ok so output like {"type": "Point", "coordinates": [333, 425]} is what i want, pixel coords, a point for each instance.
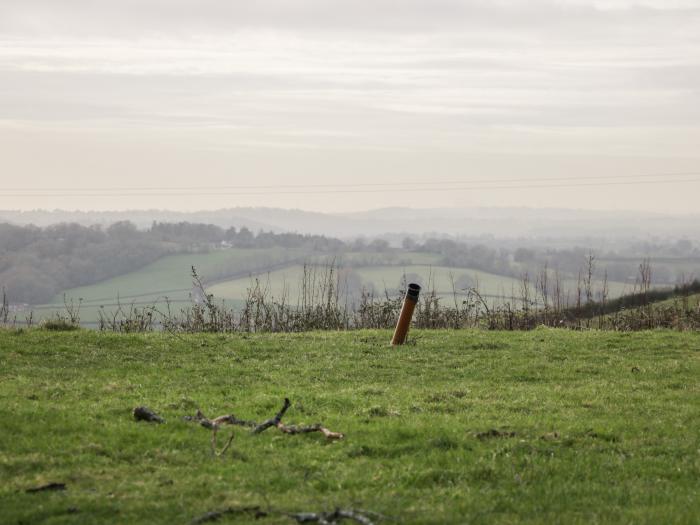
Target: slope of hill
{"type": "Point", "coordinates": [443, 280]}
{"type": "Point", "coordinates": [545, 223]}
{"type": "Point", "coordinates": [230, 273]}
{"type": "Point", "coordinates": [169, 277]}
{"type": "Point", "coordinates": [458, 426]}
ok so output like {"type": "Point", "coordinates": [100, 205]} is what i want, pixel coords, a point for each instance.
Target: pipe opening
{"type": "Point", "coordinates": [413, 290]}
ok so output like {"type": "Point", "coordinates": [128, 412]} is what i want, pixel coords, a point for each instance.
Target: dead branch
{"type": "Point", "coordinates": [323, 518]}
{"type": "Point", "coordinates": [47, 487]}
{"type": "Point", "coordinates": [330, 518]}
{"type": "Point", "coordinates": [230, 419]}
{"type": "Point", "coordinates": [215, 424]}
{"type": "Point", "coordinates": [146, 414]}
{"type": "Point", "coordinates": [296, 429]}
{"type": "Point", "coordinates": [217, 514]}
{"type": "Point", "coordinates": [213, 442]}
{"type": "Point", "coordinates": [494, 433]}
{"type": "Point", "coordinates": [275, 421]}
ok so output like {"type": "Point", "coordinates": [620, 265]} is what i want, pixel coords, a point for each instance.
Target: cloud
{"type": "Point", "coordinates": [191, 17]}
{"type": "Point", "coordinates": [202, 80]}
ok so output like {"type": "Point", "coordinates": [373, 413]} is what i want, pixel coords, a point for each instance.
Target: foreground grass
{"type": "Point", "coordinates": [606, 426]}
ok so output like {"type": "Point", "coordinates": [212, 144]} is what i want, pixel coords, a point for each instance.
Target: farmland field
{"type": "Point", "coordinates": [385, 277]}
{"type": "Point", "coordinates": [168, 277]}
{"type": "Point", "coordinates": [171, 275]}
{"type": "Point", "coordinates": [280, 272]}
{"type": "Point", "coordinates": [547, 426]}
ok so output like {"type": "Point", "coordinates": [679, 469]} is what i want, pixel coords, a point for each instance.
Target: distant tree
{"type": "Point", "coordinates": [244, 238]}
{"type": "Point", "coordinates": [523, 255]}
{"type": "Point", "coordinates": [358, 245]}
{"type": "Point", "coordinates": [378, 245]}
{"type": "Point", "coordinates": [122, 231]}
{"type": "Point", "coordinates": [409, 244]}
{"type": "Point", "coordinates": [683, 247]}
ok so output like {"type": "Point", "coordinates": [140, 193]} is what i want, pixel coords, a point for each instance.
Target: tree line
{"type": "Point", "coordinates": [37, 263]}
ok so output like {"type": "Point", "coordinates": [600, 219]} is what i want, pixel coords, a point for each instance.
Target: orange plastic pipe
{"type": "Point", "coordinates": [409, 304]}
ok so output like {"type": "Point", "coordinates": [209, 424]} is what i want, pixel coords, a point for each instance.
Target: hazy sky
{"type": "Point", "coordinates": [160, 96]}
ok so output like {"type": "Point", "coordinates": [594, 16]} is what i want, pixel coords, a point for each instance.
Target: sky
{"type": "Point", "coordinates": [349, 105]}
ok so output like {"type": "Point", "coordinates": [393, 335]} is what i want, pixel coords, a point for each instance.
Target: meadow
{"type": "Point", "coordinates": [230, 273]}
{"type": "Point", "coordinates": [169, 277]}
{"type": "Point", "coordinates": [444, 280]}
{"type": "Point", "coordinates": [545, 426]}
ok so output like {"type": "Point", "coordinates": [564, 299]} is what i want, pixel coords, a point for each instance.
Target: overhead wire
{"type": "Point", "coordinates": [358, 184]}
{"type": "Point", "coordinates": [435, 186]}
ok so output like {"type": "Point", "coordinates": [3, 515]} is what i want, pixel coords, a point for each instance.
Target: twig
{"type": "Point", "coordinates": [230, 419]}
{"type": "Point", "coordinates": [47, 487]}
{"type": "Point", "coordinates": [295, 429]}
{"type": "Point", "coordinates": [213, 442]}
{"type": "Point", "coordinates": [275, 421]}
{"type": "Point", "coordinates": [324, 518]}
{"type": "Point", "coordinates": [217, 514]}
{"type": "Point", "coordinates": [215, 424]}
{"type": "Point", "coordinates": [328, 518]}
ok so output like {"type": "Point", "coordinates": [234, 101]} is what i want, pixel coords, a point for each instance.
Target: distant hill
{"type": "Point", "coordinates": [141, 218]}
{"type": "Point", "coordinates": [468, 222]}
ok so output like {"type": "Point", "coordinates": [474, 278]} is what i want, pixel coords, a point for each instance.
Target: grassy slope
{"type": "Point", "coordinates": [693, 301]}
{"type": "Point", "coordinates": [169, 276]}
{"type": "Point", "coordinates": [173, 273]}
{"type": "Point", "coordinates": [625, 406]}
{"type": "Point", "coordinates": [389, 277]}
{"type": "Point", "coordinates": [676, 302]}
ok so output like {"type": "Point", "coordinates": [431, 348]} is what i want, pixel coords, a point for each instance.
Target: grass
{"type": "Point", "coordinates": [387, 277]}
{"type": "Point", "coordinates": [281, 270]}
{"type": "Point", "coordinates": [606, 426]}
{"type": "Point", "coordinates": [171, 275]}
{"type": "Point", "coordinates": [693, 301]}
{"type": "Point", "coordinates": [168, 277]}
{"type": "Point", "coordinates": [381, 277]}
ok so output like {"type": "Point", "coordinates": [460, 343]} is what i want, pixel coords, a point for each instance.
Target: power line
{"type": "Point", "coordinates": [436, 186]}
{"type": "Point", "coordinates": [359, 184]}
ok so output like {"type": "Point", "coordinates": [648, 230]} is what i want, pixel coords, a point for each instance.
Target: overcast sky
{"type": "Point", "coordinates": [302, 97]}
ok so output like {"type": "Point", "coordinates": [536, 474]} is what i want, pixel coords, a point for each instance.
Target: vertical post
{"type": "Point", "coordinates": [409, 304]}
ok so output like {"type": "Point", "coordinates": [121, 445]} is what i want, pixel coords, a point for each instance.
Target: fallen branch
{"type": "Point", "coordinates": [495, 433]}
{"type": "Point", "coordinates": [217, 514]}
{"type": "Point", "coordinates": [146, 414]}
{"type": "Point", "coordinates": [294, 429]}
{"type": "Point", "coordinates": [275, 421]}
{"type": "Point", "coordinates": [47, 487]}
{"type": "Point", "coordinates": [215, 424]}
{"type": "Point", "coordinates": [203, 420]}
{"type": "Point", "coordinates": [324, 518]}
{"type": "Point", "coordinates": [329, 518]}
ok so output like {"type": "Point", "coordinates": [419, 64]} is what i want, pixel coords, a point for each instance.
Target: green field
{"type": "Point", "coordinates": [280, 271]}
{"type": "Point", "coordinates": [693, 301]}
{"type": "Point", "coordinates": [380, 277]}
{"type": "Point", "coordinates": [384, 277]}
{"type": "Point", "coordinates": [547, 426]}
{"type": "Point", "coordinates": [171, 275]}
{"type": "Point", "coordinates": [168, 277]}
